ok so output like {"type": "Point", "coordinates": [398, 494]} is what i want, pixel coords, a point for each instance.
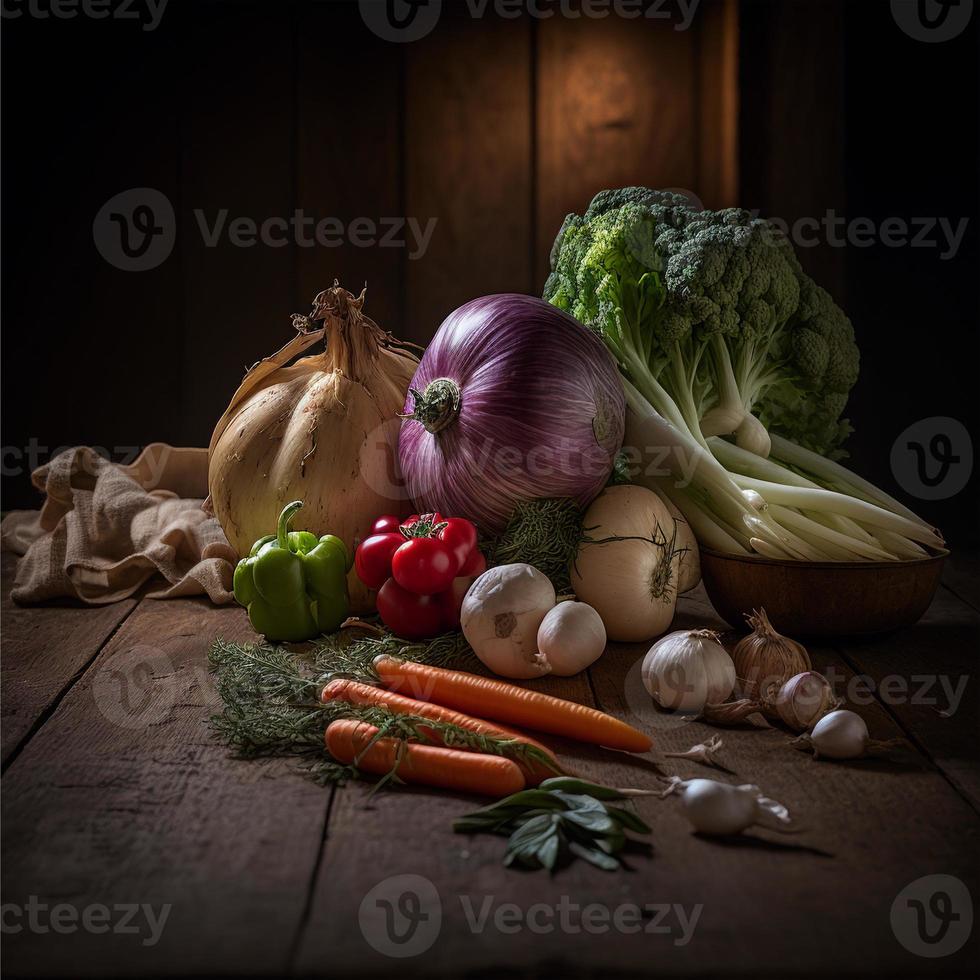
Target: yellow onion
{"type": "Point", "coordinates": [765, 660]}
{"type": "Point", "coordinates": [323, 430]}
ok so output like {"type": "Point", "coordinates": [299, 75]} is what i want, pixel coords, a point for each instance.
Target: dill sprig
{"type": "Point", "coordinates": [544, 533]}
{"type": "Point", "coordinates": [271, 707]}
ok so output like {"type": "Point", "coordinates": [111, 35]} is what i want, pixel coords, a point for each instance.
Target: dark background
{"type": "Point", "coordinates": [496, 128]}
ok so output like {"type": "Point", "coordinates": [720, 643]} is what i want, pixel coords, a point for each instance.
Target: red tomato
{"type": "Point", "coordinates": [373, 558]}
{"type": "Point", "coordinates": [475, 565]}
{"type": "Point", "coordinates": [451, 601]}
{"type": "Point", "coordinates": [424, 565]}
{"type": "Point", "coordinates": [460, 537]}
{"type": "Point", "coordinates": [408, 614]}
{"type": "Point", "coordinates": [433, 518]}
{"type": "Point", "coordinates": [388, 524]}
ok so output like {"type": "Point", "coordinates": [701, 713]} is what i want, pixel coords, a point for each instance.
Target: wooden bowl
{"type": "Point", "coordinates": [821, 598]}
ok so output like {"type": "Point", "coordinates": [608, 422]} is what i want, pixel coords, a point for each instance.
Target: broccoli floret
{"type": "Point", "coordinates": [717, 309]}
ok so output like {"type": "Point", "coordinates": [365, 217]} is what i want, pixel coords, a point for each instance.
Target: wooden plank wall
{"type": "Point", "coordinates": [494, 127]}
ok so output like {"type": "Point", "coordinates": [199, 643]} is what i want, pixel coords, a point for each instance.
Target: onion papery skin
{"type": "Point", "coordinates": [541, 412]}
{"type": "Point", "coordinates": [322, 430]}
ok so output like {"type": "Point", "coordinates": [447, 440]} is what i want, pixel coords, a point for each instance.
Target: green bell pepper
{"type": "Point", "coordinates": [293, 583]}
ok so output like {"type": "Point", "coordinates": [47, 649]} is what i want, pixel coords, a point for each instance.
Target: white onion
{"type": "Point", "coordinates": [571, 637]}
{"type": "Point", "coordinates": [625, 568]}
{"type": "Point", "coordinates": [500, 618]}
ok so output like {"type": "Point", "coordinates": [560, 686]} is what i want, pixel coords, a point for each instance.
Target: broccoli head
{"type": "Point", "coordinates": [717, 308]}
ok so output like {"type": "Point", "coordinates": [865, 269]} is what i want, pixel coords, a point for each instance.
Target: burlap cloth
{"type": "Point", "coordinates": [104, 529]}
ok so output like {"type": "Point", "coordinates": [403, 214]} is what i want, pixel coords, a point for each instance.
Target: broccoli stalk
{"type": "Point", "coordinates": [718, 332]}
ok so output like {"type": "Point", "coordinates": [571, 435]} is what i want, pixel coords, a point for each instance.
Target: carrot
{"type": "Point", "coordinates": [349, 741]}
{"type": "Point", "coordinates": [508, 703]}
{"type": "Point", "coordinates": [353, 692]}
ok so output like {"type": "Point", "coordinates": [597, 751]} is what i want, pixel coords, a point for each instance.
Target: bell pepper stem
{"type": "Point", "coordinates": [285, 519]}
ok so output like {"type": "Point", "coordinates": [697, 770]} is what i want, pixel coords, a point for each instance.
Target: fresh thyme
{"type": "Point", "coordinates": [271, 701]}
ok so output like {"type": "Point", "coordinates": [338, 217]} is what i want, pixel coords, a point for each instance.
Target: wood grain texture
{"type": "Point", "coordinates": [962, 576]}
{"type": "Point", "coordinates": [926, 678]}
{"type": "Point", "coordinates": [717, 26]}
{"type": "Point", "coordinates": [44, 649]}
{"type": "Point", "coordinates": [348, 157]}
{"type": "Point", "coordinates": [123, 797]}
{"type": "Point", "coordinates": [236, 175]}
{"type": "Point", "coordinates": [838, 877]}
{"type": "Point", "coordinates": [616, 106]}
{"type": "Point", "coordinates": [791, 76]}
{"type": "Point", "coordinates": [468, 163]}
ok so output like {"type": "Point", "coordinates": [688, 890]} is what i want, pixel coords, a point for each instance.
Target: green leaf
{"type": "Point", "coordinates": [594, 821]}
{"type": "Point", "coordinates": [525, 798]}
{"type": "Point", "coordinates": [573, 785]}
{"type": "Point", "coordinates": [579, 801]}
{"type": "Point", "coordinates": [548, 854]}
{"type": "Point", "coordinates": [629, 820]}
{"type": "Point", "coordinates": [612, 843]}
{"type": "Point", "coordinates": [594, 856]}
{"type": "Point", "coordinates": [528, 842]}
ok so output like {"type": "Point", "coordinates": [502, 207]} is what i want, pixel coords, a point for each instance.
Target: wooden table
{"type": "Point", "coordinates": [119, 809]}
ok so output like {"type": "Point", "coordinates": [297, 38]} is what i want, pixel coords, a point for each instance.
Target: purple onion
{"type": "Point", "coordinates": [513, 400]}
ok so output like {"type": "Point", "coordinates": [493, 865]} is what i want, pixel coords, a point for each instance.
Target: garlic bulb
{"type": "Point", "coordinates": [571, 637]}
{"type": "Point", "coordinates": [720, 808]}
{"type": "Point", "coordinates": [802, 701]}
{"type": "Point", "coordinates": [685, 670]}
{"type": "Point", "coordinates": [322, 430]}
{"type": "Point", "coordinates": [764, 660]}
{"type": "Point", "coordinates": [844, 735]}
{"type": "Point", "coordinates": [626, 568]}
{"type": "Point", "coordinates": [501, 615]}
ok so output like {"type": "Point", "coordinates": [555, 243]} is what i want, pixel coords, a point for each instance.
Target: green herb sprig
{"type": "Point", "coordinates": [544, 533]}
{"type": "Point", "coordinates": [564, 817]}
{"type": "Point", "coordinates": [271, 701]}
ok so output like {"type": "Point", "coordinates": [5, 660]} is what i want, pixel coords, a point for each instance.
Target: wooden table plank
{"type": "Point", "coordinates": [961, 575]}
{"type": "Point", "coordinates": [44, 649]}
{"type": "Point", "coordinates": [926, 678]}
{"type": "Point", "coordinates": [767, 904]}
{"type": "Point", "coordinates": [123, 797]}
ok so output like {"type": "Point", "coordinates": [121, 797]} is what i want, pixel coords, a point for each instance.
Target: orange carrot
{"type": "Point", "coordinates": [354, 692]}
{"type": "Point", "coordinates": [508, 703]}
{"type": "Point", "coordinates": [349, 741]}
